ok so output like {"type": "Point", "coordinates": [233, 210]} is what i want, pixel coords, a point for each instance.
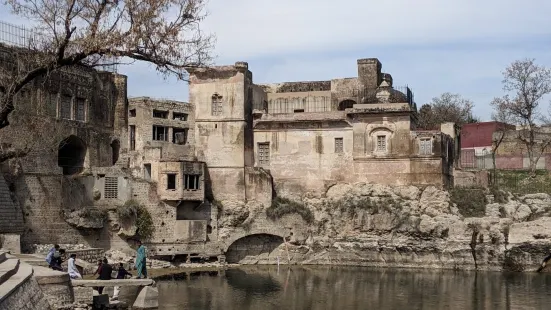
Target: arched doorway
{"type": "Point", "coordinates": [71, 154]}
{"type": "Point", "coordinates": [115, 149]}
{"type": "Point", "coordinates": [346, 104]}
{"type": "Point", "coordinates": [253, 247]}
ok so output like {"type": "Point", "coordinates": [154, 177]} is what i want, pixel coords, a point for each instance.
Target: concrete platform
{"type": "Point", "coordinates": [49, 276]}
{"type": "Point", "coordinates": [113, 282]}
{"type": "Point", "coordinates": [33, 259]}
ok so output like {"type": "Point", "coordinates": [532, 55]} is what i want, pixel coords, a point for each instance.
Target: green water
{"type": "Point", "coordinates": [320, 287]}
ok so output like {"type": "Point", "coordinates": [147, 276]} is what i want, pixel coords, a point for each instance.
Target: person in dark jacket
{"type": "Point", "coordinates": [121, 274]}
{"type": "Point", "coordinates": [105, 273]}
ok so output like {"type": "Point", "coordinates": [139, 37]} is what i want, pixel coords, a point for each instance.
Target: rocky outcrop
{"type": "Point", "coordinates": [405, 226]}
{"type": "Point", "coordinates": [87, 218]}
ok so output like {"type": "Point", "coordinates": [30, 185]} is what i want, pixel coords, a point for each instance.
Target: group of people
{"type": "Point", "coordinates": [54, 260]}
{"type": "Point", "coordinates": [104, 270]}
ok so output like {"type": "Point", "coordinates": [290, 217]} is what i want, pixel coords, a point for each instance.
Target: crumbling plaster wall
{"type": "Point", "coordinates": [220, 138]}
{"type": "Point", "coordinates": [44, 194]}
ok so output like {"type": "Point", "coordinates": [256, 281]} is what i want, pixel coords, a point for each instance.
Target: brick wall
{"type": "Point", "coordinates": [11, 218]}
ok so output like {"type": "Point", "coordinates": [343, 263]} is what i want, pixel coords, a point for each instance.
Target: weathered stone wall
{"type": "Point", "coordinates": [400, 226]}
{"type": "Point", "coordinates": [11, 217]}
{"type": "Point", "coordinates": [28, 296]}
{"type": "Point", "coordinates": [91, 255]}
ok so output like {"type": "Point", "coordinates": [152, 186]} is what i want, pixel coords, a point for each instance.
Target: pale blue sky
{"type": "Point", "coordinates": [434, 46]}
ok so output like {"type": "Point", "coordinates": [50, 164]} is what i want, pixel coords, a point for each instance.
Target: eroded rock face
{"type": "Point", "coordinates": [405, 226]}
{"type": "Point", "coordinates": [86, 219]}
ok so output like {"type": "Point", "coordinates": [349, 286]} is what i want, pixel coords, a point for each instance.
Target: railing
{"type": "Point", "coordinates": [14, 35]}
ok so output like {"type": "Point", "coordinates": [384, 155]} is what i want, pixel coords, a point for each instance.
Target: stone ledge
{"type": "Point", "coordinates": [8, 268]}
{"type": "Point", "coordinates": [49, 276]}
{"type": "Point", "coordinates": [113, 282]}
{"type": "Point", "coordinates": [23, 274]}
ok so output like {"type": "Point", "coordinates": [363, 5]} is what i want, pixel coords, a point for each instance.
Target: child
{"type": "Point", "coordinates": [121, 274]}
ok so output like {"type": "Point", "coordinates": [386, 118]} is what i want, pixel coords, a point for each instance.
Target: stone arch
{"type": "Point", "coordinates": [257, 245]}
{"type": "Point", "coordinates": [71, 154]}
{"type": "Point", "coordinates": [346, 104]}
{"type": "Point", "coordinates": [115, 150]}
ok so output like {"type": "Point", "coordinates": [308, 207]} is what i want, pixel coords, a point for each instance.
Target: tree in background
{"type": "Point", "coordinates": [446, 108]}
{"type": "Point", "coordinates": [525, 84]}
{"type": "Point", "coordinates": [92, 33]}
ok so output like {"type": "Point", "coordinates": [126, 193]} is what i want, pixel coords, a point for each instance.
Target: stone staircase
{"type": "Point", "coordinates": [18, 288]}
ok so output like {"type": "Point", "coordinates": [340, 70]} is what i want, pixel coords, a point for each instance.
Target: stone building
{"type": "Point", "coordinates": [310, 135]}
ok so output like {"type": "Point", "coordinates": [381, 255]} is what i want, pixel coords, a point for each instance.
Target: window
{"type": "Point", "coordinates": [80, 109]}
{"type": "Point", "coordinates": [160, 114]}
{"type": "Point", "coordinates": [65, 111]}
{"type": "Point", "coordinates": [216, 107]}
{"type": "Point", "coordinates": [147, 171]}
{"type": "Point", "coordinates": [298, 110]}
{"type": "Point", "coordinates": [425, 146]}
{"type": "Point", "coordinates": [381, 143]}
{"type": "Point", "coordinates": [338, 145]}
{"type": "Point", "coordinates": [264, 153]}
{"type": "Point", "coordinates": [171, 181]}
{"type": "Point", "coordinates": [191, 182]}
{"type": "Point", "coordinates": [132, 137]}
{"type": "Point", "coordinates": [52, 104]}
{"type": "Point", "coordinates": [179, 116]}
{"type": "Point", "coordinates": [179, 135]}
{"type": "Point", "coordinates": [160, 133]}
{"type": "Point", "coordinates": [132, 113]}
{"type": "Point", "coordinates": [110, 189]}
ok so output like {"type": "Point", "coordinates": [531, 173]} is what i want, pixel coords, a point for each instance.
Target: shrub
{"type": "Point", "coordinates": [283, 206]}
{"type": "Point", "coordinates": [471, 202]}
{"type": "Point", "coordinates": [499, 195]}
{"type": "Point", "coordinates": [144, 222]}
{"type": "Point", "coordinates": [94, 214]}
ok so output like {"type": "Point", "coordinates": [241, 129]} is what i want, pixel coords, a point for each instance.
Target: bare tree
{"type": "Point", "coordinates": [504, 121]}
{"type": "Point", "coordinates": [446, 108]}
{"type": "Point", "coordinates": [526, 83]}
{"type": "Point", "coordinates": [92, 33]}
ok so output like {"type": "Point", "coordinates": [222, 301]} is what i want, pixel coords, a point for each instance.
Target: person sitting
{"type": "Point", "coordinates": [121, 274]}
{"type": "Point", "coordinates": [72, 268]}
{"type": "Point", "coordinates": [50, 256]}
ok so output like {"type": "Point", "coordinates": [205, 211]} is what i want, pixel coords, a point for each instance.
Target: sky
{"type": "Point", "coordinates": [433, 46]}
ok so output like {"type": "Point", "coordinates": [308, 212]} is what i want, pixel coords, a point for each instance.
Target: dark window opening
{"type": "Point", "coordinates": [147, 171]}
{"type": "Point", "coordinates": [160, 133]}
{"type": "Point", "coordinates": [346, 104]}
{"type": "Point", "coordinates": [179, 135]}
{"type": "Point", "coordinates": [132, 113]}
{"type": "Point", "coordinates": [132, 137]}
{"type": "Point", "coordinates": [191, 182]}
{"type": "Point", "coordinates": [115, 148]}
{"type": "Point", "coordinates": [179, 116]}
{"type": "Point", "coordinates": [298, 111]}
{"type": "Point", "coordinates": [80, 113]}
{"type": "Point", "coordinates": [160, 114]}
{"type": "Point", "coordinates": [71, 154]}
{"type": "Point", "coordinates": [339, 146]}
{"type": "Point", "coordinates": [171, 181]}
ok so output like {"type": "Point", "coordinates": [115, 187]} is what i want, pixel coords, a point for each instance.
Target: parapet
{"type": "Point", "coordinates": [368, 61]}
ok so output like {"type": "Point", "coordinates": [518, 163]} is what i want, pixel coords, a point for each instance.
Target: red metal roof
{"type": "Point", "coordinates": [480, 134]}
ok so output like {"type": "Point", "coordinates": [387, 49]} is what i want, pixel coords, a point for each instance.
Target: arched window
{"type": "Point", "coordinates": [115, 149]}
{"type": "Point", "coordinates": [71, 154]}
{"type": "Point", "coordinates": [216, 106]}
{"type": "Point", "coordinates": [346, 104]}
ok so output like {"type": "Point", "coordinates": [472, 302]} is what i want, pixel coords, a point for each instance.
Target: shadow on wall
{"type": "Point", "coordinates": [253, 247]}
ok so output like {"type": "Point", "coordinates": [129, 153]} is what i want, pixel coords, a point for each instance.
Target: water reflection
{"type": "Point", "coordinates": [266, 287]}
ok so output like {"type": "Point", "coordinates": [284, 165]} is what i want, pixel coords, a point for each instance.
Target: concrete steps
{"type": "Point", "coordinates": [13, 274]}
{"type": "Point", "coordinates": [8, 268]}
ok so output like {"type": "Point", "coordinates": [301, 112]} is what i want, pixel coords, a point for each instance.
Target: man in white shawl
{"type": "Point", "coordinates": [72, 268]}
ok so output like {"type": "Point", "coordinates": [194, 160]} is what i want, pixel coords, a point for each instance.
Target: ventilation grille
{"type": "Point", "coordinates": [111, 185]}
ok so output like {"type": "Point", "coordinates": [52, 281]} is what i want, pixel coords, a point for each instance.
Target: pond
{"type": "Point", "coordinates": [330, 287]}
